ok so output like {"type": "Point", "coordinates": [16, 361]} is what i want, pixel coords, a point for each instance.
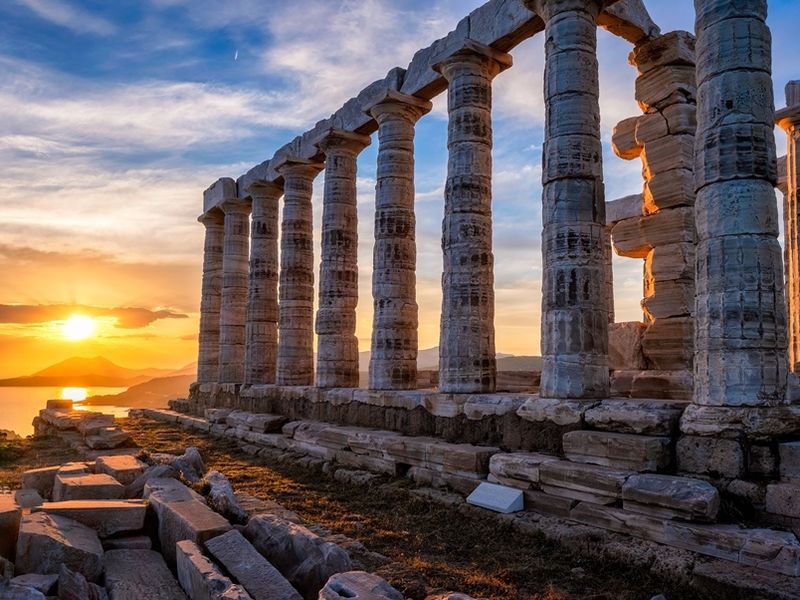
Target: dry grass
{"type": "Point", "coordinates": [430, 546]}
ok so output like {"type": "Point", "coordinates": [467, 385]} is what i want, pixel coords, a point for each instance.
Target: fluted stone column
{"type": "Point", "coordinates": [789, 120]}
{"type": "Point", "coordinates": [296, 304]}
{"type": "Point", "coordinates": [337, 345]}
{"type": "Point", "coordinates": [467, 362]}
{"type": "Point", "coordinates": [211, 298]}
{"type": "Point", "coordinates": [261, 330]}
{"type": "Point", "coordinates": [234, 290]}
{"type": "Point", "coordinates": [574, 302]}
{"type": "Point", "coordinates": [741, 332]}
{"type": "Point", "coordinates": [393, 360]}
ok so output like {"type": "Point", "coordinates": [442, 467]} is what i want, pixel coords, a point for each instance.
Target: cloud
{"type": "Point", "coordinates": [126, 317]}
{"type": "Point", "coordinates": [72, 17]}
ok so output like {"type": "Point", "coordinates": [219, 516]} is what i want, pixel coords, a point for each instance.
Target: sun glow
{"type": "Point", "coordinates": [76, 394]}
{"type": "Point", "coordinates": [78, 327]}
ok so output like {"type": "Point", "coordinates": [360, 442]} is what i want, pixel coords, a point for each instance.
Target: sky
{"type": "Point", "coordinates": [115, 116]}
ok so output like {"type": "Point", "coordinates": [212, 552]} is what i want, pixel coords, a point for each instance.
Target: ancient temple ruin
{"type": "Point", "coordinates": [642, 428]}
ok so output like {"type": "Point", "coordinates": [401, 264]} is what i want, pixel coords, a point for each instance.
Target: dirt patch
{"type": "Point", "coordinates": [429, 545]}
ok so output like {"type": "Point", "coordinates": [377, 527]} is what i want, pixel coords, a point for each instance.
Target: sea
{"type": "Point", "coordinates": [19, 405]}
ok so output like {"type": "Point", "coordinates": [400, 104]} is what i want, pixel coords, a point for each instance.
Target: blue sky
{"type": "Point", "coordinates": [114, 116]}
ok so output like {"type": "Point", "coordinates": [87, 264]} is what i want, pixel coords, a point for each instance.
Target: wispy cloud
{"type": "Point", "coordinates": [64, 14]}
{"type": "Point", "coordinates": [125, 317]}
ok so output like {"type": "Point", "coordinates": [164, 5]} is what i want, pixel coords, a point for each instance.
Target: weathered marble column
{"type": "Point", "coordinates": [211, 298]}
{"type": "Point", "coordinates": [235, 266]}
{"type": "Point", "coordinates": [574, 290]}
{"type": "Point", "coordinates": [337, 345]}
{"type": "Point", "coordinates": [789, 120]}
{"type": "Point", "coordinates": [393, 360]}
{"type": "Point", "coordinates": [741, 332]}
{"type": "Point", "coordinates": [261, 330]}
{"type": "Point", "coordinates": [296, 303]}
{"type": "Point", "coordinates": [467, 362]}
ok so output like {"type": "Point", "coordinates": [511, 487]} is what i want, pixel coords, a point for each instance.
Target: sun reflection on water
{"type": "Point", "coordinates": [76, 394]}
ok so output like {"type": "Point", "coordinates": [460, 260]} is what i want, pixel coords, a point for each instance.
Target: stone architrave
{"type": "Point", "coordinates": [337, 345]}
{"type": "Point", "coordinates": [234, 290]}
{"type": "Point", "coordinates": [295, 364]}
{"type": "Point", "coordinates": [393, 359]}
{"type": "Point", "coordinates": [788, 119]}
{"type": "Point", "coordinates": [467, 362]}
{"type": "Point", "coordinates": [575, 292]}
{"type": "Point", "coordinates": [211, 297]}
{"type": "Point", "coordinates": [741, 332]}
{"type": "Point", "coordinates": [261, 327]}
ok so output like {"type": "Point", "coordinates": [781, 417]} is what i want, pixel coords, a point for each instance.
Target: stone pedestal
{"type": "Point", "coordinates": [296, 305]}
{"type": "Point", "coordinates": [211, 297]}
{"type": "Point", "coordinates": [789, 120]}
{"type": "Point", "coordinates": [741, 331]}
{"type": "Point", "coordinates": [261, 329]}
{"type": "Point", "coordinates": [393, 361]}
{"type": "Point", "coordinates": [467, 361]}
{"type": "Point", "coordinates": [234, 290]}
{"type": "Point", "coordinates": [575, 293]}
{"type": "Point", "coordinates": [337, 345]}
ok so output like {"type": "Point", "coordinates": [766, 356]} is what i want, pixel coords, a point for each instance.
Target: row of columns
{"type": "Point", "coordinates": [741, 340]}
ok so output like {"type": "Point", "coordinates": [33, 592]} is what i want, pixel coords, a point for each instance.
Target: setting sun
{"type": "Point", "coordinates": [78, 327]}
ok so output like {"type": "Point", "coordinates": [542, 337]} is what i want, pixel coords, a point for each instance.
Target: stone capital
{"type": "Point", "coordinates": [222, 189]}
{"type": "Point", "coordinates": [393, 102]}
{"type": "Point", "coordinates": [547, 9]}
{"type": "Point", "coordinates": [235, 207]}
{"type": "Point", "coordinates": [475, 53]}
{"type": "Point", "coordinates": [788, 119]}
{"type": "Point", "coordinates": [212, 218]}
{"type": "Point", "coordinates": [339, 139]}
{"type": "Point", "coordinates": [264, 189]}
{"type": "Point", "coordinates": [298, 167]}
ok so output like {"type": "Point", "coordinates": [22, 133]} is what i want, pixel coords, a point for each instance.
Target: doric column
{"type": "Point", "coordinates": [296, 304]}
{"type": "Point", "coordinates": [789, 120]}
{"type": "Point", "coordinates": [261, 330]}
{"type": "Point", "coordinates": [741, 333]}
{"type": "Point", "coordinates": [211, 298]}
{"type": "Point", "coordinates": [393, 361]}
{"type": "Point", "coordinates": [574, 302]}
{"type": "Point", "coordinates": [234, 290]}
{"type": "Point", "coordinates": [337, 345]}
{"type": "Point", "coordinates": [467, 362]}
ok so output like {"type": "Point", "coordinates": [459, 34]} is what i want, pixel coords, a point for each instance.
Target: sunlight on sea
{"type": "Point", "coordinates": [19, 405]}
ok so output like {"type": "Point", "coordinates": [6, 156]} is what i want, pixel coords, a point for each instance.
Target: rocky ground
{"type": "Point", "coordinates": [427, 546]}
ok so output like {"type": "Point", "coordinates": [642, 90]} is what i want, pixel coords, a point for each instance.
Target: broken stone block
{"type": "Point", "coordinates": [124, 468]}
{"type": "Point", "coordinates": [108, 438]}
{"type": "Point", "coordinates": [201, 579]}
{"type": "Point", "coordinates": [670, 153]}
{"type": "Point", "coordinates": [40, 480]}
{"type": "Point", "coordinates": [521, 466]}
{"type": "Point", "coordinates": [136, 542]}
{"type": "Point", "coordinates": [669, 189]}
{"type": "Point", "coordinates": [637, 236]}
{"type": "Point", "coordinates": [136, 488]}
{"type": "Point", "coordinates": [359, 586]}
{"type": "Point", "coordinates": [73, 586]}
{"type": "Point", "coordinates": [12, 591]}
{"type": "Point", "coordinates": [190, 464]}
{"type": "Point", "coordinates": [674, 384]}
{"type": "Point", "coordinates": [650, 127]}
{"type": "Point", "coordinates": [783, 499]}
{"type": "Point", "coordinates": [673, 48]}
{"type": "Point", "coordinates": [664, 86]}
{"type": "Point", "coordinates": [217, 415]}
{"type": "Point", "coordinates": [140, 574]}
{"type": "Point", "coordinates": [552, 410]}
{"type": "Point", "coordinates": [623, 139]}
{"type": "Point", "coordinates": [10, 516]}
{"type": "Point", "coordinates": [762, 461]}
{"type": "Point", "coordinates": [789, 453]}
{"type": "Point", "coordinates": [625, 346]}
{"type": "Point", "coordinates": [624, 208]}
{"type": "Point", "coordinates": [644, 417]}
{"type": "Point", "coordinates": [27, 498]}
{"type": "Point", "coordinates": [712, 456]}
{"type": "Point", "coordinates": [667, 299]}
{"type": "Point", "coordinates": [619, 450]}
{"type": "Point", "coordinates": [265, 423]}
{"type": "Point", "coordinates": [46, 584]}
{"type": "Point", "coordinates": [304, 558]}
{"type": "Point", "coordinates": [669, 343]}
{"type": "Point", "coordinates": [590, 483]}
{"type": "Point", "coordinates": [547, 504]}
{"type": "Point", "coordinates": [222, 499]}
{"type": "Point", "coordinates": [261, 580]}
{"type": "Point", "coordinates": [48, 541]}
{"type": "Point", "coordinates": [671, 497]}
{"type": "Point", "coordinates": [187, 520]}
{"type": "Point", "coordinates": [106, 517]}
{"type": "Point", "coordinates": [93, 422]}
{"type": "Point", "coordinates": [87, 487]}
{"type": "Point", "coordinates": [162, 491]}
{"type": "Point", "coordinates": [6, 569]}
{"type": "Point", "coordinates": [671, 262]}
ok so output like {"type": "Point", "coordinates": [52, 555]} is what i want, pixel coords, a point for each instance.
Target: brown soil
{"type": "Point", "coordinates": [430, 546]}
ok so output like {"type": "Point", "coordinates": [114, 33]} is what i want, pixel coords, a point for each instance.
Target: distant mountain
{"type": "Point", "coordinates": [150, 394]}
{"type": "Point", "coordinates": [428, 360]}
{"type": "Point", "coordinates": [86, 372]}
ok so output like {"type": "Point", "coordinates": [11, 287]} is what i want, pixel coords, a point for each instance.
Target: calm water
{"type": "Point", "coordinates": [18, 405]}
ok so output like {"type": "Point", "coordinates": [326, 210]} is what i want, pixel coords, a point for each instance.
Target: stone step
{"type": "Point", "coordinates": [671, 497]}
{"type": "Point", "coordinates": [106, 517]}
{"type": "Point", "coordinates": [88, 486]}
{"type": "Point", "coordinates": [124, 468]}
{"type": "Point", "coordinates": [643, 417]}
{"type": "Point", "coordinates": [619, 450]}
{"type": "Point", "coordinates": [140, 574]}
{"type": "Point", "coordinates": [578, 481]}
{"type": "Point", "coordinates": [518, 469]}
